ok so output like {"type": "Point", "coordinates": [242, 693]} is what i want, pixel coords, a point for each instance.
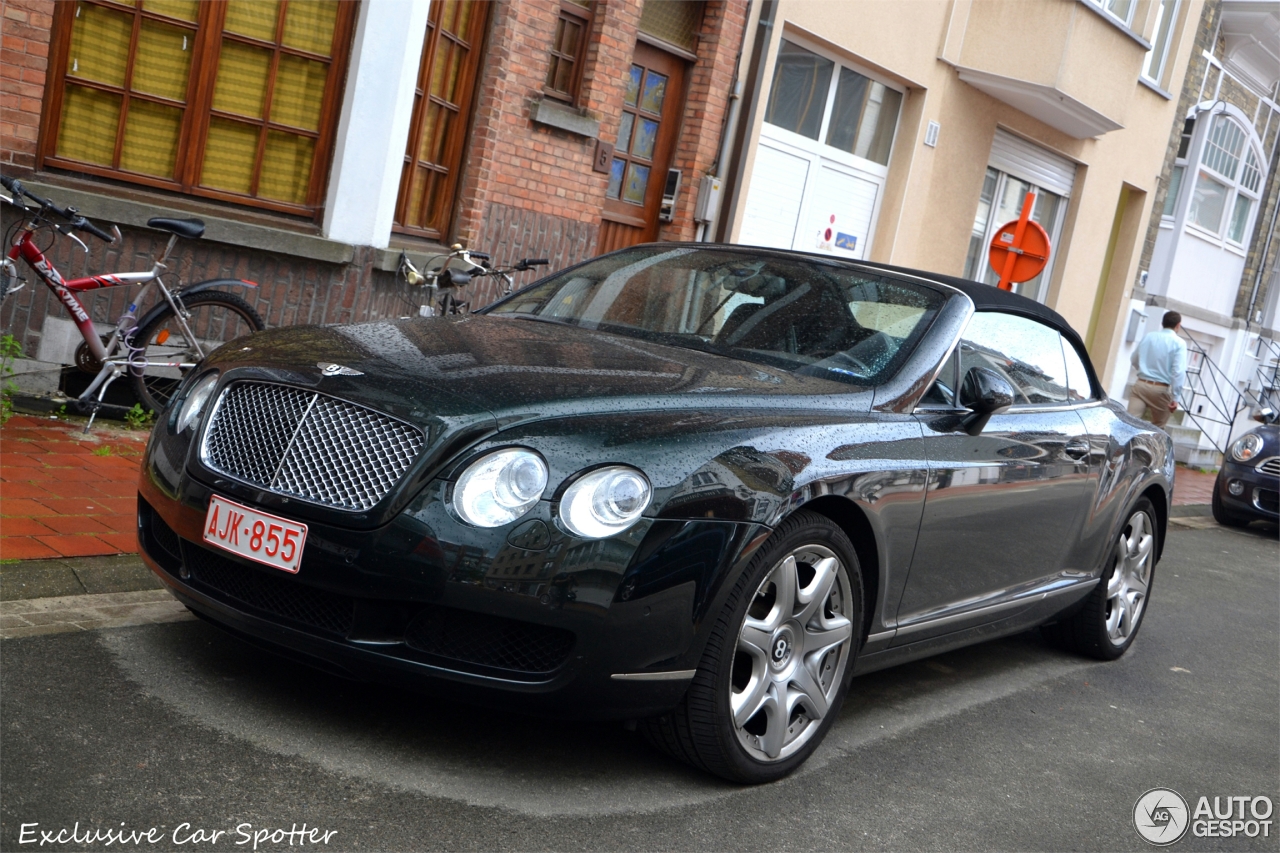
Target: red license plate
{"type": "Point", "coordinates": [258, 536]}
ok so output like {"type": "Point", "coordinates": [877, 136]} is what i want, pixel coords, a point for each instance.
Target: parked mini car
{"type": "Point", "coordinates": [695, 485]}
{"type": "Point", "coordinates": [1248, 484]}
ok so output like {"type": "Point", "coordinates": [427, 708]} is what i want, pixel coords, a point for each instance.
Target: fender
{"type": "Point", "coordinates": [200, 287]}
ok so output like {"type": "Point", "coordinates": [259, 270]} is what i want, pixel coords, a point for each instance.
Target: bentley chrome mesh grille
{"type": "Point", "coordinates": [1270, 466]}
{"type": "Point", "coordinates": [300, 443]}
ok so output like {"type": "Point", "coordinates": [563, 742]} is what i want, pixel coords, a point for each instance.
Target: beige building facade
{"type": "Point", "coordinates": [907, 133]}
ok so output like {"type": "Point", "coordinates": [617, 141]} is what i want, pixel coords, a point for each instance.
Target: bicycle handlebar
{"type": "Point", "coordinates": [70, 214]}
{"type": "Point", "coordinates": [82, 224]}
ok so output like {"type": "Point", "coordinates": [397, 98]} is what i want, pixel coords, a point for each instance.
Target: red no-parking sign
{"type": "Point", "coordinates": [1020, 249]}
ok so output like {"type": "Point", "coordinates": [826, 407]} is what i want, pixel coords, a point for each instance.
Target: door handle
{"type": "Point", "coordinates": [1076, 448]}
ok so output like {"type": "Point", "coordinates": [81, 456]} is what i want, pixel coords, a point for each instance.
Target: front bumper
{"type": "Point", "coordinates": [429, 603]}
{"type": "Point", "coordinates": [1259, 495]}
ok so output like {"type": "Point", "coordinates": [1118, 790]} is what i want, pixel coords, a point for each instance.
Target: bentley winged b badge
{"type": "Point", "coordinates": [329, 369]}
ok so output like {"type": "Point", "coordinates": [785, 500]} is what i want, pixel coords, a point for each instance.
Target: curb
{"type": "Point", "coordinates": [72, 613]}
{"type": "Point", "coordinates": [62, 577]}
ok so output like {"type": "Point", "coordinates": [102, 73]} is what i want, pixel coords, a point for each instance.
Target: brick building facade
{"type": "Point", "coordinates": [439, 122]}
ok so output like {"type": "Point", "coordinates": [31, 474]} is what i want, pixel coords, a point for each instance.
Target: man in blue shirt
{"type": "Point", "coordinates": [1161, 360]}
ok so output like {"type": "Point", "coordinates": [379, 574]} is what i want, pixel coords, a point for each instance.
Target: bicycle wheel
{"type": "Point", "coordinates": [214, 318]}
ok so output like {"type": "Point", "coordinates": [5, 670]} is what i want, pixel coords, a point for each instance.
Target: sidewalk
{"type": "Point", "coordinates": [1191, 486]}
{"type": "Point", "coordinates": [65, 494]}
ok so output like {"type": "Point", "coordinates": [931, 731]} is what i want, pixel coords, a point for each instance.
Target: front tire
{"type": "Point", "coordinates": [214, 318]}
{"type": "Point", "coordinates": [775, 669]}
{"type": "Point", "coordinates": [1107, 624]}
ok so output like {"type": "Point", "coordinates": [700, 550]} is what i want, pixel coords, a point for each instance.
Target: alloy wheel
{"type": "Point", "coordinates": [1130, 578]}
{"type": "Point", "coordinates": [792, 652]}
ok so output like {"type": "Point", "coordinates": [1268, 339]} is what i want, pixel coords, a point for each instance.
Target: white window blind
{"type": "Point", "coordinates": [1031, 163]}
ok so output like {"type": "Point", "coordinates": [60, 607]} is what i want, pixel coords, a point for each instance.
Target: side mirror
{"type": "Point", "coordinates": [984, 393]}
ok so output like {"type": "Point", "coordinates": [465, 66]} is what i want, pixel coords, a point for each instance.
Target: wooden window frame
{"type": "Point", "coordinates": [583, 16]}
{"type": "Point", "coordinates": [198, 108]}
{"type": "Point", "coordinates": [455, 145]}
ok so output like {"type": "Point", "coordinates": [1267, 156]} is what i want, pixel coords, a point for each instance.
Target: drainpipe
{"type": "Point", "coordinates": [751, 92]}
{"type": "Point", "coordinates": [722, 160]}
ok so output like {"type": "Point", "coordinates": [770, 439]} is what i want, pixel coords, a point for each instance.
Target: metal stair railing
{"type": "Point", "coordinates": [1207, 381]}
{"type": "Point", "coordinates": [1268, 373]}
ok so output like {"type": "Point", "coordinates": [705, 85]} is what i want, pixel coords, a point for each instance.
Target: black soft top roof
{"type": "Point", "coordinates": [986, 297]}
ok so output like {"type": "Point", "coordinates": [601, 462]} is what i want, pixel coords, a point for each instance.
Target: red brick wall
{"type": "Point", "coordinates": [541, 176]}
{"type": "Point", "coordinates": [706, 106]}
{"type": "Point", "coordinates": [24, 58]}
{"type": "Point", "coordinates": [293, 290]}
{"type": "Point", "coordinates": [517, 163]}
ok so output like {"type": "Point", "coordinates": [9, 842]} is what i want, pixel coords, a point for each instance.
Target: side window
{"type": "Point", "coordinates": [1077, 375]}
{"type": "Point", "coordinates": [1027, 353]}
{"type": "Point", "coordinates": [569, 50]}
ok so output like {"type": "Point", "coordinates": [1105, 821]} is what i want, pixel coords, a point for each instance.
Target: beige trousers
{"type": "Point", "coordinates": [1155, 398]}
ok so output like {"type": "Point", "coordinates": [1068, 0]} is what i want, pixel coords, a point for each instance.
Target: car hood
{"type": "Point", "coordinates": [517, 370]}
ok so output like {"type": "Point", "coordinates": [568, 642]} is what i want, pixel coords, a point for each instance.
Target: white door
{"type": "Point", "coordinates": [822, 158]}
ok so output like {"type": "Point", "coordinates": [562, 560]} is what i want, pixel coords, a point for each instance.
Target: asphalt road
{"type": "Point", "coordinates": [1007, 746]}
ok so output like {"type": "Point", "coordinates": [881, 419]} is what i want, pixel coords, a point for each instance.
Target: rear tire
{"type": "Point", "coordinates": [777, 663]}
{"type": "Point", "coordinates": [1107, 623]}
{"type": "Point", "coordinates": [216, 317]}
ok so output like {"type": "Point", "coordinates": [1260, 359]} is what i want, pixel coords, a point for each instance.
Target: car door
{"type": "Point", "coordinates": [1003, 508]}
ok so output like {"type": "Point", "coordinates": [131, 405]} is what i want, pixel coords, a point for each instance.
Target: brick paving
{"type": "Point", "coordinates": [65, 494]}
{"type": "Point", "coordinates": [1192, 487]}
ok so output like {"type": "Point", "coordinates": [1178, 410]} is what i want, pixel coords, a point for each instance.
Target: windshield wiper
{"type": "Point", "coordinates": [521, 315]}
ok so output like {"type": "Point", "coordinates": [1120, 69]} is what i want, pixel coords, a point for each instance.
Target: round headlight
{"type": "Point", "coordinates": [1246, 447]}
{"type": "Point", "coordinates": [196, 400]}
{"type": "Point", "coordinates": [499, 488]}
{"type": "Point", "coordinates": [605, 502]}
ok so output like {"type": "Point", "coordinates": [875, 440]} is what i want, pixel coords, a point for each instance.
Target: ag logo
{"type": "Point", "coordinates": [1160, 816]}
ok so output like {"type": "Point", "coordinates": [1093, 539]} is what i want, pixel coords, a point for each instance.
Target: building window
{"type": "Point", "coordinates": [1121, 10]}
{"type": "Point", "coordinates": [673, 23]}
{"type": "Point", "coordinates": [441, 113]}
{"type": "Point", "coordinates": [798, 96]}
{"type": "Point", "coordinates": [859, 116]}
{"type": "Point", "coordinates": [1227, 184]}
{"type": "Point", "coordinates": [637, 135]}
{"type": "Point", "coordinates": [1166, 14]}
{"type": "Point", "coordinates": [569, 50]}
{"type": "Point", "coordinates": [230, 100]}
{"type": "Point", "coordinates": [999, 202]}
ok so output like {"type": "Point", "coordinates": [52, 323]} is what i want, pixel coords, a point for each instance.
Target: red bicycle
{"type": "Point", "coordinates": [173, 336]}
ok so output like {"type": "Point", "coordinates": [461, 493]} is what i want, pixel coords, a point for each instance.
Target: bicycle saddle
{"type": "Point", "coordinates": [190, 228]}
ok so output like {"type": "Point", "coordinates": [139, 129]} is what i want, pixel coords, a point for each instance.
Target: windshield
{"type": "Point", "coordinates": [799, 314]}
